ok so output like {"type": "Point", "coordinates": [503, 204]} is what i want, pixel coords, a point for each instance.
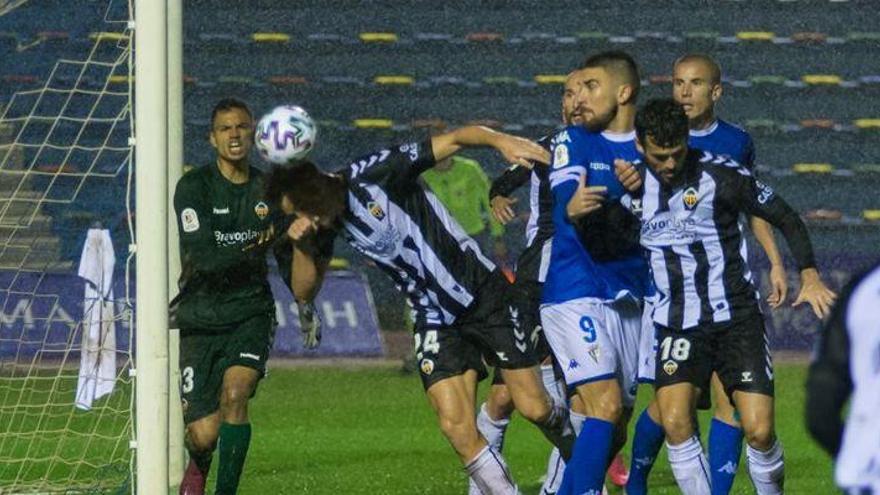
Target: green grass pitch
{"type": "Point", "coordinates": [369, 430]}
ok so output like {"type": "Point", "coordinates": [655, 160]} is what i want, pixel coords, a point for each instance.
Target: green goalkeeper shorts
{"type": "Point", "coordinates": [204, 358]}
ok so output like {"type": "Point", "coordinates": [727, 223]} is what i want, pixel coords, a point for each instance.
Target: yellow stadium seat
{"type": "Point", "coordinates": [550, 78]}
{"type": "Point", "coordinates": [373, 123]}
{"type": "Point", "coordinates": [378, 37]}
{"type": "Point", "coordinates": [120, 79]}
{"type": "Point", "coordinates": [405, 80]}
{"type": "Point", "coordinates": [821, 79]}
{"type": "Point", "coordinates": [812, 168]}
{"type": "Point", "coordinates": [755, 35]}
{"type": "Point", "coordinates": [104, 36]}
{"type": "Point", "coordinates": [872, 215]}
{"type": "Point", "coordinates": [339, 264]}
{"type": "Point", "coordinates": [270, 37]}
{"type": "Point", "coordinates": [867, 123]}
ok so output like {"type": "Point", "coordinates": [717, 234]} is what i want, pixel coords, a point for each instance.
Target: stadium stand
{"type": "Point", "coordinates": [799, 75]}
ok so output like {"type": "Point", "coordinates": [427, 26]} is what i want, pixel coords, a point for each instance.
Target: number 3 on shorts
{"type": "Point", "coordinates": [186, 377]}
{"type": "Point", "coordinates": [679, 349]}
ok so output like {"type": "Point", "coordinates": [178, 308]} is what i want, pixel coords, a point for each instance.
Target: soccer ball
{"type": "Point", "coordinates": [285, 134]}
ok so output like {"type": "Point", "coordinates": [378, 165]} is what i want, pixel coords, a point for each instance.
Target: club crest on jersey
{"type": "Point", "coordinates": [262, 210]}
{"type": "Point", "coordinates": [690, 198]}
{"type": "Point", "coordinates": [427, 366]}
{"type": "Point", "coordinates": [376, 210]}
{"type": "Point", "coordinates": [670, 367]}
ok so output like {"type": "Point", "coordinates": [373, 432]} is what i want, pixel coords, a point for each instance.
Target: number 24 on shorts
{"type": "Point", "coordinates": [430, 345]}
{"type": "Point", "coordinates": [679, 349]}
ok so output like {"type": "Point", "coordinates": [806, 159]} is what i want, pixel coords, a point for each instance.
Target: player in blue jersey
{"type": "Point", "coordinates": [697, 87]}
{"type": "Point", "coordinates": [597, 279]}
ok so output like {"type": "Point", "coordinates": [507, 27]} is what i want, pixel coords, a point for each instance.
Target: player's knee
{"type": "Point", "coordinates": [235, 397]}
{"type": "Point", "coordinates": [760, 436]}
{"type": "Point", "coordinates": [200, 440]}
{"type": "Point", "coordinates": [535, 410]}
{"type": "Point", "coordinates": [457, 429]}
{"type": "Point", "coordinates": [678, 427]}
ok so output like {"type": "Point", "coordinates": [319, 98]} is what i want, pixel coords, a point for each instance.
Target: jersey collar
{"type": "Point", "coordinates": [619, 137]}
{"type": "Point", "coordinates": [706, 131]}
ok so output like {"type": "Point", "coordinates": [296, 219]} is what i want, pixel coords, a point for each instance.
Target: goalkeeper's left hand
{"type": "Point", "coordinates": [310, 324]}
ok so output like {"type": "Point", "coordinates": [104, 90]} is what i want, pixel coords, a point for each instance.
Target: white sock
{"type": "Point", "coordinates": [490, 473]}
{"type": "Point", "coordinates": [577, 421]}
{"type": "Point", "coordinates": [555, 470]}
{"type": "Point", "coordinates": [767, 469]}
{"type": "Point", "coordinates": [690, 467]}
{"type": "Point", "coordinates": [493, 431]}
{"type": "Point", "coordinates": [556, 388]}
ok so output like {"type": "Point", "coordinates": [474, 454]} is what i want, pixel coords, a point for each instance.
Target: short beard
{"type": "Point", "coordinates": [601, 122]}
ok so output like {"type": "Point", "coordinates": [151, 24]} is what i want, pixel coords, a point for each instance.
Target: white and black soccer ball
{"type": "Point", "coordinates": [285, 134]}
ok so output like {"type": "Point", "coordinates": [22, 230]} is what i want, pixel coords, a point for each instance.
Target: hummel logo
{"type": "Point", "coordinates": [249, 356]}
{"type": "Point", "coordinates": [729, 468]}
{"type": "Point", "coordinates": [747, 377]}
{"type": "Point", "coordinates": [221, 211]}
{"type": "Point", "coordinates": [501, 356]}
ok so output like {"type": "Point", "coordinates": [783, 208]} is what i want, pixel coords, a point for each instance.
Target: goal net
{"type": "Point", "coordinates": [66, 284]}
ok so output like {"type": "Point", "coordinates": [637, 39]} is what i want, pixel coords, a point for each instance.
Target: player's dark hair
{"type": "Point", "coordinates": [714, 67]}
{"type": "Point", "coordinates": [227, 104]}
{"type": "Point", "coordinates": [664, 120]}
{"type": "Point", "coordinates": [310, 190]}
{"type": "Point", "coordinates": [620, 63]}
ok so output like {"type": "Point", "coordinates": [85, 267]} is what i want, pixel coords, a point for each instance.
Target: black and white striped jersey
{"type": "Point", "coordinates": [392, 219]}
{"type": "Point", "coordinates": [695, 243]}
{"type": "Point", "coordinates": [847, 367]}
{"type": "Point", "coordinates": [532, 262]}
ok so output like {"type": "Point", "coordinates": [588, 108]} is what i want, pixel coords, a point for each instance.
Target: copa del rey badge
{"type": "Point", "coordinates": [262, 210]}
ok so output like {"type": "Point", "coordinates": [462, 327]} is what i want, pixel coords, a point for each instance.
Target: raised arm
{"type": "Point", "coordinates": [516, 150]}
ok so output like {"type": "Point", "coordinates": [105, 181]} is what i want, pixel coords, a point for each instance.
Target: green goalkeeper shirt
{"type": "Point", "coordinates": [221, 285]}
{"type": "Point", "coordinates": [464, 191]}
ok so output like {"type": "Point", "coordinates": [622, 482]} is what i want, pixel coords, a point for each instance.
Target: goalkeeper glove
{"type": "Point", "coordinates": [309, 324]}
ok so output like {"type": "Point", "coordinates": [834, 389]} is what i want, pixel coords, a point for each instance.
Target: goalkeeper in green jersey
{"type": "Point", "coordinates": [225, 310]}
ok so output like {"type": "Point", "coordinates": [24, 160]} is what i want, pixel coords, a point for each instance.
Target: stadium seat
{"type": "Point", "coordinates": [812, 168]}
{"type": "Point", "coordinates": [818, 124]}
{"type": "Point", "coordinates": [287, 80]}
{"type": "Point", "coordinates": [755, 36]}
{"type": "Point", "coordinates": [373, 123]}
{"type": "Point", "coordinates": [817, 79]}
{"type": "Point", "coordinates": [809, 37]}
{"type": "Point", "coordinates": [104, 36]}
{"type": "Point", "coordinates": [871, 215]}
{"type": "Point", "coordinates": [394, 80]}
{"type": "Point", "coordinates": [270, 37]}
{"type": "Point", "coordinates": [483, 37]}
{"type": "Point", "coordinates": [769, 80]}
{"type": "Point", "coordinates": [378, 37]}
{"type": "Point", "coordinates": [867, 123]}
{"type": "Point", "coordinates": [550, 78]}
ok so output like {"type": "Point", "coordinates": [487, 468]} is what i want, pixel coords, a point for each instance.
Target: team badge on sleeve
{"type": "Point", "coordinates": [189, 219]}
{"type": "Point", "coordinates": [262, 210]}
{"type": "Point", "coordinates": [560, 156]}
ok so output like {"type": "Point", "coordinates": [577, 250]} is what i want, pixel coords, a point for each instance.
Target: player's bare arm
{"type": "Point", "coordinates": [515, 150]}
{"type": "Point", "coordinates": [778, 283]}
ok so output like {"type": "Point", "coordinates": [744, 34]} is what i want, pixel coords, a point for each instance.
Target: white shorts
{"type": "Point", "coordinates": [647, 344]}
{"type": "Point", "coordinates": [595, 340]}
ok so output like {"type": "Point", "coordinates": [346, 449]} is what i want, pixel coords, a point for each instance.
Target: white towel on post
{"type": "Point", "coordinates": [97, 365]}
